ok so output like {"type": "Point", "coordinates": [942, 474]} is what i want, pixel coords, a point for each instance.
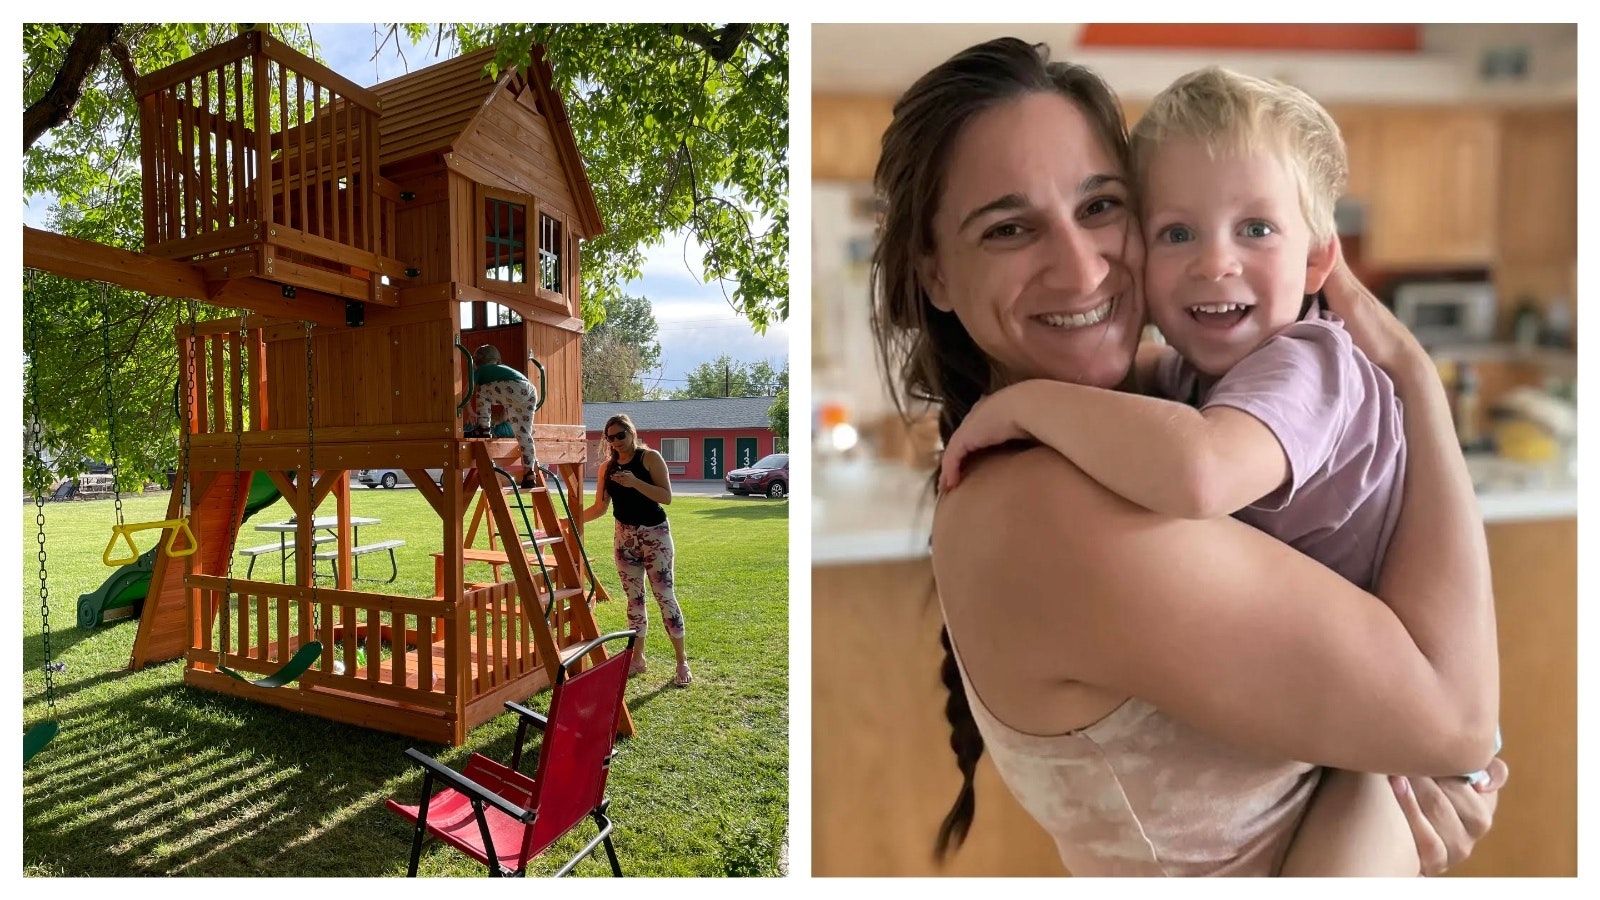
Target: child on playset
{"type": "Point", "coordinates": [498, 383]}
{"type": "Point", "coordinates": [1280, 419]}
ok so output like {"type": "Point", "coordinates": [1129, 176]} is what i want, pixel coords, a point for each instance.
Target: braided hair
{"type": "Point", "coordinates": [929, 350]}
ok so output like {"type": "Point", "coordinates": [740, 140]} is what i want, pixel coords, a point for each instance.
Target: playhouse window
{"type": "Point", "coordinates": [502, 315]}
{"type": "Point", "coordinates": [551, 247]}
{"type": "Point", "coordinates": [505, 240]}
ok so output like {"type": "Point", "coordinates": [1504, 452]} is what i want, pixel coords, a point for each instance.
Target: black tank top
{"type": "Point", "coordinates": [627, 504]}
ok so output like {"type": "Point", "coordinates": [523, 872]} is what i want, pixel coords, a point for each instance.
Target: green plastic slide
{"type": "Point", "coordinates": [128, 585]}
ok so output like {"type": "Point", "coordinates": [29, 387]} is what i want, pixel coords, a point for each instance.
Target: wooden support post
{"type": "Point", "coordinates": [262, 164]}
{"type": "Point", "coordinates": [341, 495]}
{"type": "Point", "coordinates": [455, 661]}
{"type": "Point", "coordinates": [258, 381]}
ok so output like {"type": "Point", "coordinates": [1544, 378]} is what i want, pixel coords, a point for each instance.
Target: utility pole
{"type": "Point", "coordinates": [727, 380]}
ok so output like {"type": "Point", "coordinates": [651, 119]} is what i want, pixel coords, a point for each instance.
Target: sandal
{"type": "Point", "coordinates": [637, 667]}
{"type": "Point", "coordinates": [684, 677]}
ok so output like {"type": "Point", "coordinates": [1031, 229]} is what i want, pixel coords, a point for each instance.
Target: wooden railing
{"type": "Point", "coordinates": [257, 627]}
{"type": "Point", "coordinates": [252, 142]}
{"type": "Point", "coordinates": [222, 369]}
{"type": "Point", "coordinates": [502, 639]}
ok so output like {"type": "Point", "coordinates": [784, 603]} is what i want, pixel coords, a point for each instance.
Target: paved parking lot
{"type": "Point", "coordinates": [689, 488]}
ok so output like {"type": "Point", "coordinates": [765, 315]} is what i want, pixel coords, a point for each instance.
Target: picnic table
{"type": "Point", "coordinates": [328, 525]}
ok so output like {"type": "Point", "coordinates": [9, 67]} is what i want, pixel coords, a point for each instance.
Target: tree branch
{"type": "Point", "coordinates": [719, 45]}
{"type": "Point", "coordinates": [771, 55]}
{"type": "Point", "coordinates": [55, 107]}
{"type": "Point", "coordinates": [124, 57]}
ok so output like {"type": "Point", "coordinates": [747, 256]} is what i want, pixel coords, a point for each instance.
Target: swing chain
{"type": "Point", "coordinates": [38, 494]}
{"type": "Point", "coordinates": [188, 416]}
{"type": "Point", "coordinates": [111, 404]}
{"type": "Point", "coordinates": [311, 468]}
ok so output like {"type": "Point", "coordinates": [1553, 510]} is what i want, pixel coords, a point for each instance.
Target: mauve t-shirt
{"type": "Point", "coordinates": [1340, 424]}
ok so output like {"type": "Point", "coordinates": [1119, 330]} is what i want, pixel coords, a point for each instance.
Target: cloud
{"type": "Point", "coordinates": [696, 323]}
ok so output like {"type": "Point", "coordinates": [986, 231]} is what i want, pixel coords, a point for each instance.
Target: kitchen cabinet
{"type": "Point", "coordinates": [1435, 200]}
{"type": "Point", "coordinates": [1359, 128]}
{"type": "Point", "coordinates": [1535, 568]}
{"type": "Point", "coordinates": [1538, 218]}
{"type": "Point", "coordinates": [847, 135]}
{"type": "Point", "coordinates": [883, 775]}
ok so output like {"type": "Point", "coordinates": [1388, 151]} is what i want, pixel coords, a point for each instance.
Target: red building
{"type": "Point", "coordinates": [700, 439]}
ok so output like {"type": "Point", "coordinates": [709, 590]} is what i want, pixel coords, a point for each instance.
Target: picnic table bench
{"type": "Point", "coordinates": [326, 525]}
{"type": "Point", "coordinates": [362, 550]}
{"type": "Point", "coordinates": [280, 547]}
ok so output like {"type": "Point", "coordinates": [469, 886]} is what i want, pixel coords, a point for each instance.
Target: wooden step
{"type": "Point", "coordinates": [497, 557]}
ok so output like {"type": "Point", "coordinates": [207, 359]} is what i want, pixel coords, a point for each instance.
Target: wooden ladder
{"type": "Point", "coordinates": [551, 578]}
{"type": "Point", "coordinates": [544, 512]}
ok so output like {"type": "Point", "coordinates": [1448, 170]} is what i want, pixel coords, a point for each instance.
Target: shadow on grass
{"type": "Point", "coordinates": [753, 511]}
{"type": "Point", "coordinates": [177, 781]}
{"type": "Point", "coordinates": [174, 781]}
{"type": "Point", "coordinates": [640, 702]}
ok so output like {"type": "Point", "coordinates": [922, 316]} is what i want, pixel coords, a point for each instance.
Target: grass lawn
{"type": "Point", "coordinates": [149, 777]}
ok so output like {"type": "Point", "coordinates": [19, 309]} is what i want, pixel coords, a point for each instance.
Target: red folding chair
{"type": "Point", "coordinates": [503, 818]}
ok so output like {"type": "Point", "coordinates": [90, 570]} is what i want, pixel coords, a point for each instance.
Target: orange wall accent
{"type": "Point", "coordinates": [1249, 36]}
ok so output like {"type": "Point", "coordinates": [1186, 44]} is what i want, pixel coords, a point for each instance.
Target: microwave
{"type": "Point", "coordinates": [1442, 313]}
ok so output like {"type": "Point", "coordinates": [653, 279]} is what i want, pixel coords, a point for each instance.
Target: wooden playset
{"type": "Point", "coordinates": [368, 236]}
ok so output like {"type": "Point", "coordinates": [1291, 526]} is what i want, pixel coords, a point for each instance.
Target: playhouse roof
{"type": "Point", "coordinates": [429, 110]}
{"type": "Point", "coordinates": [685, 415]}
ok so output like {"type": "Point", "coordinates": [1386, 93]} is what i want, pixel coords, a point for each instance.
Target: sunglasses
{"type": "Point", "coordinates": [613, 438]}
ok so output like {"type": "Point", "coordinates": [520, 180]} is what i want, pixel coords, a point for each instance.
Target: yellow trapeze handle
{"type": "Point", "coordinates": [178, 526]}
{"type": "Point", "coordinates": [120, 531]}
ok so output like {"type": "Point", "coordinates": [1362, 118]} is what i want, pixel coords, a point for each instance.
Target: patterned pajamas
{"type": "Point", "coordinates": [519, 398]}
{"type": "Point", "coordinates": [645, 551]}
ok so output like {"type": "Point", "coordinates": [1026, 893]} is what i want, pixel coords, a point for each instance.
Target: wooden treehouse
{"type": "Point", "coordinates": [391, 225]}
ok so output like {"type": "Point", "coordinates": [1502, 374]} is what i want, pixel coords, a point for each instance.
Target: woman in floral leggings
{"type": "Point", "coordinates": [635, 477]}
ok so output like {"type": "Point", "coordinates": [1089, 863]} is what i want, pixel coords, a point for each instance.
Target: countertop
{"type": "Point", "coordinates": [874, 512]}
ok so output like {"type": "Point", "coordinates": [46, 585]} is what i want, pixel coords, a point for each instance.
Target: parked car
{"type": "Point", "coordinates": [770, 476]}
{"type": "Point", "coordinates": [389, 478]}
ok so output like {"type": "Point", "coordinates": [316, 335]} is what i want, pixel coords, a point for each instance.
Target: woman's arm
{"type": "Point", "coordinates": [1213, 622]}
{"type": "Point", "coordinates": [1376, 825]}
{"type": "Point", "coordinates": [661, 491]}
{"type": "Point", "coordinates": [602, 499]}
{"type": "Point", "coordinates": [1353, 827]}
{"type": "Point", "coordinates": [1436, 571]}
{"type": "Point", "coordinates": [1167, 457]}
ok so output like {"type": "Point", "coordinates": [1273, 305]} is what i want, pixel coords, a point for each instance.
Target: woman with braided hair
{"type": "Point", "coordinates": [1165, 696]}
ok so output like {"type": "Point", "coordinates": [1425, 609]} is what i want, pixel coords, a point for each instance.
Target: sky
{"type": "Point", "coordinates": [696, 323]}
